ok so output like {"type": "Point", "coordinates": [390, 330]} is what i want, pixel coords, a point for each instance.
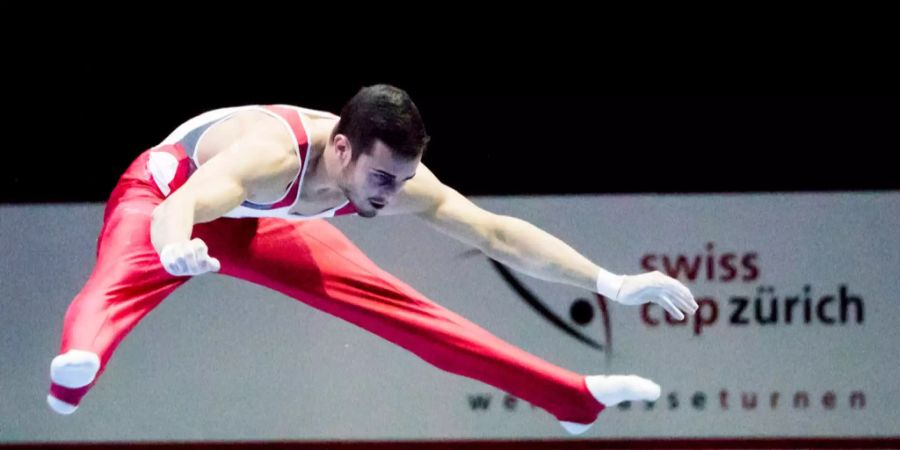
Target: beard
{"type": "Point", "coordinates": [363, 207]}
{"type": "Point", "coordinates": [368, 214]}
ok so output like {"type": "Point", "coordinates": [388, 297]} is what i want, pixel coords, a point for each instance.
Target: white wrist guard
{"type": "Point", "coordinates": [609, 284]}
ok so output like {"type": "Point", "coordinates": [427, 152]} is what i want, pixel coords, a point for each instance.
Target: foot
{"type": "Point", "coordinates": [73, 369]}
{"type": "Point", "coordinates": [614, 389]}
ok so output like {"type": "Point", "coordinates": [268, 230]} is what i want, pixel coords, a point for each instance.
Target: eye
{"type": "Point", "coordinates": [383, 179]}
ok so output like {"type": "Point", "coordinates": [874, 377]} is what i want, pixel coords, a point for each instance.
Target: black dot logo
{"type": "Point", "coordinates": [582, 312]}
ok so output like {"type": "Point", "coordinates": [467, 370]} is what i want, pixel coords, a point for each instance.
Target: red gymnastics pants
{"type": "Point", "coordinates": [310, 261]}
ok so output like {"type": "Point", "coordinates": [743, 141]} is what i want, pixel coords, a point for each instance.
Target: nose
{"type": "Point", "coordinates": [391, 190]}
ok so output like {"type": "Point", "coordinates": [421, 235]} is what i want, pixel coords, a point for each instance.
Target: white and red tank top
{"type": "Point", "coordinates": [173, 161]}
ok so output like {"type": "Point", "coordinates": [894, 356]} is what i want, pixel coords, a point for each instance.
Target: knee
{"type": "Point", "coordinates": [75, 368]}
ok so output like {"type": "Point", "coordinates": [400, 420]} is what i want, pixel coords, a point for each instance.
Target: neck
{"type": "Point", "coordinates": [323, 167]}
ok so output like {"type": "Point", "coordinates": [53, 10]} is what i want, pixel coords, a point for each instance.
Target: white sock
{"type": "Point", "coordinates": [612, 390]}
{"type": "Point", "coordinates": [75, 368]}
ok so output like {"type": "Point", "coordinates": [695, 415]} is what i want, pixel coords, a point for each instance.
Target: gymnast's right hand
{"type": "Point", "coordinates": [658, 288]}
{"type": "Point", "coordinates": [188, 258]}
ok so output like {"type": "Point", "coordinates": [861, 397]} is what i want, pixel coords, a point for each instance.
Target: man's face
{"type": "Point", "coordinates": [372, 180]}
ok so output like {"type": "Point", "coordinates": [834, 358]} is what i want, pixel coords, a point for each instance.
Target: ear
{"type": "Point", "coordinates": [343, 149]}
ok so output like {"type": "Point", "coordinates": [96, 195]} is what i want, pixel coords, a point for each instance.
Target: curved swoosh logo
{"type": "Point", "coordinates": [541, 309]}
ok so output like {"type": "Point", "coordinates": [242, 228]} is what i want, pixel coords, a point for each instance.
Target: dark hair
{"type": "Point", "coordinates": [385, 113]}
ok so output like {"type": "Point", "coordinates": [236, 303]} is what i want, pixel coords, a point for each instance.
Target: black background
{"type": "Point", "coordinates": [531, 127]}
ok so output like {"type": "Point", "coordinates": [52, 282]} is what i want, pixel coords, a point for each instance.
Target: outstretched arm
{"type": "Point", "coordinates": [531, 250]}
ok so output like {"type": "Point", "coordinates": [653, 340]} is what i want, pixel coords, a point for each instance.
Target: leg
{"type": "Point", "coordinates": [127, 283]}
{"type": "Point", "coordinates": [313, 262]}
